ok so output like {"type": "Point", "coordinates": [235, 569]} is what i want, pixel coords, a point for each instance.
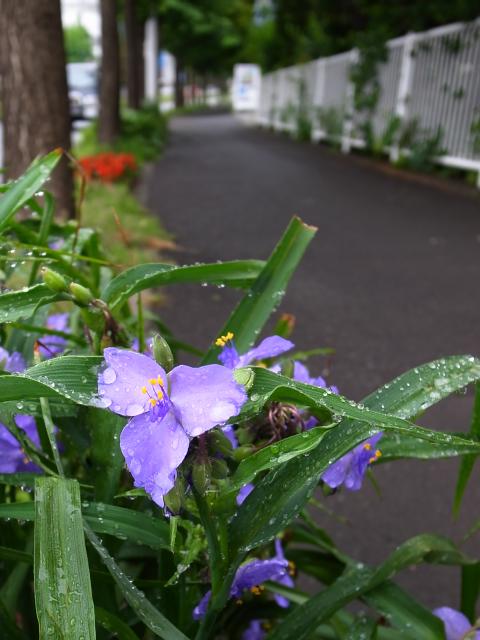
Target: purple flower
{"type": "Point", "coordinates": [165, 410]}
{"type": "Point", "coordinates": [248, 576]}
{"type": "Point", "coordinates": [350, 469]}
{"type": "Point", "coordinates": [12, 362]}
{"type": "Point", "coordinates": [229, 431]}
{"type": "Point", "coordinates": [286, 579]}
{"type": "Point", "coordinates": [12, 457]}
{"type": "Point", "coordinates": [456, 624]}
{"type": "Point", "coordinates": [302, 374]}
{"type": "Point", "coordinates": [254, 631]}
{"type": "Point", "coordinates": [269, 348]}
{"type": "Point", "coordinates": [51, 346]}
{"type": "Point", "coordinates": [245, 491]}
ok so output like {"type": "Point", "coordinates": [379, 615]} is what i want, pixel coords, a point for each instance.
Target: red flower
{"type": "Point", "coordinates": [108, 166]}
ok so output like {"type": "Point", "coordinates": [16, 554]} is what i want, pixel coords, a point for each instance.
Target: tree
{"type": "Point", "coordinates": [78, 44]}
{"type": "Point", "coordinates": [34, 90]}
{"type": "Point", "coordinates": [134, 31]}
{"type": "Point", "coordinates": [109, 116]}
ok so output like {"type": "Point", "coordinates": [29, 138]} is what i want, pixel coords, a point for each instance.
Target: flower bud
{"type": "Point", "coordinates": [220, 468]}
{"type": "Point", "coordinates": [174, 498]}
{"type": "Point", "coordinates": [285, 325]}
{"type": "Point", "coordinates": [81, 294]}
{"type": "Point", "coordinates": [219, 442]}
{"type": "Point", "coordinates": [201, 476]}
{"type": "Point", "coordinates": [94, 319]}
{"type": "Point", "coordinates": [162, 352]}
{"type": "Point", "coordinates": [54, 280]}
{"type": "Point", "coordinates": [242, 452]}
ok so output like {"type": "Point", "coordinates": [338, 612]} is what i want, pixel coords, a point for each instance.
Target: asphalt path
{"type": "Point", "coordinates": [390, 282]}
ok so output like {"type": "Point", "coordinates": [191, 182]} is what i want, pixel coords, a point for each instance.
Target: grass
{"type": "Point", "coordinates": [130, 233]}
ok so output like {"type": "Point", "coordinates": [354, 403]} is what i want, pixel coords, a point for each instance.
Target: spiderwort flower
{"type": "Point", "coordinates": [51, 345]}
{"type": "Point", "coordinates": [457, 625]}
{"type": "Point", "coordinates": [271, 347]}
{"type": "Point", "coordinates": [250, 576]}
{"type": "Point", "coordinates": [254, 631]}
{"type": "Point", "coordinates": [12, 456]}
{"type": "Point", "coordinates": [287, 579]}
{"type": "Point", "coordinates": [351, 468]}
{"type": "Point", "coordinates": [245, 491]}
{"type": "Point", "coordinates": [165, 410]}
{"type": "Point", "coordinates": [12, 362]}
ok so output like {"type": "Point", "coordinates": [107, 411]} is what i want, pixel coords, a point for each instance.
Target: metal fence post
{"type": "Point", "coordinates": [407, 68]}
{"type": "Point", "coordinates": [349, 106]}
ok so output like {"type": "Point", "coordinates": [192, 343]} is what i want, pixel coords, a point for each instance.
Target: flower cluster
{"type": "Point", "coordinates": [108, 166]}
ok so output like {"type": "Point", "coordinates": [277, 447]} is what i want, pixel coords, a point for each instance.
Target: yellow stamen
{"type": "Point", "coordinates": [159, 395]}
{"type": "Point", "coordinates": [367, 446]}
{"type": "Point", "coordinates": [378, 453]}
{"type": "Point", "coordinates": [291, 568]}
{"type": "Point", "coordinates": [160, 381]}
{"type": "Point", "coordinates": [144, 390]}
{"type": "Point", "coordinates": [153, 402]}
{"type": "Point", "coordinates": [222, 340]}
{"type": "Point", "coordinates": [153, 381]}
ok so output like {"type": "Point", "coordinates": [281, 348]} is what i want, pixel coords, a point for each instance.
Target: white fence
{"type": "Point", "coordinates": [429, 84]}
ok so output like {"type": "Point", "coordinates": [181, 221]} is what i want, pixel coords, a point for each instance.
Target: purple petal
{"type": "Point", "coordinates": [201, 608]}
{"type": "Point", "coordinates": [205, 396]}
{"type": "Point", "coordinates": [245, 491]}
{"type": "Point", "coordinates": [229, 431]}
{"type": "Point", "coordinates": [269, 348]}
{"type": "Point", "coordinates": [256, 572]}
{"type": "Point", "coordinates": [254, 631]}
{"type": "Point", "coordinates": [12, 457]}
{"type": "Point", "coordinates": [229, 356]}
{"type": "Point", "coordinates": [286, 580]}
{"type": "Point", "coordinates": [456, 624]}
{"type": "Point", "coordinates": [12, 362]}
{"type": "Point", "coordinates": [51, 346]}
{"type": "Point", "coordinates": [350, 469]}
{"type": "Point", "coordinates": [302, 374]}
{"type": "Point", "coordinates": [153, 450]}
{"type": "Point", "coordinates": [120, 383]}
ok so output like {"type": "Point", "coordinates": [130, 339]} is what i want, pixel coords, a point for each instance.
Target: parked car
{"type": "Point", "coordinates": [82, 80]}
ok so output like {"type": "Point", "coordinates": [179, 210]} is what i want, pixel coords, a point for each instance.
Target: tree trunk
{"type": "Point", "coordinates": [109, 116]}
{"type": "Point", "coordinates": [134, 28]}
{"type": "Point", "coordinates": [36, 112]}
{"type": "Point", "coordinates": [179, 82]}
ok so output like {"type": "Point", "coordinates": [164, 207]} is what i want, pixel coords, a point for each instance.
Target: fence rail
{"type": "Point", "coordinates": [428, 94]}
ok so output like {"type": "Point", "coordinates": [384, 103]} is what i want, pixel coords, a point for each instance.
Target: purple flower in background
{"type": "Point", "coordinates": [350, 469]}
{"type": "Point", "coordinates": [165, 410]}
{"type": "Point", "coordinates": [302, 374]}
{"type": "Point", "coordinates": [286, 579]}
{"type": "Point", "coordinates": [51, 346]}
{"type": "Point", "coordinates": [12, 457]}
{"type": "Point", "coordinates": [245, 491]}
{"type": "Point", "coordinates": [12, 362]}
{"type": "Point", "coordinates": [269, 348]}
{"type": "Point", "coordinates": [229, 431]}
{"type": "Point", "coordinates": [254, 631]}
{"type": "Point", "coordinates": [456, 624]}
{"type": "Point", "coordinates": [248, 576]}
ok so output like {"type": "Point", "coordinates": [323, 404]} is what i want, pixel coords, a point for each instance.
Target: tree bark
{"type": "Point", "coordinates": [109, 116]}
{"type": "Point", "coordinates": [134, 28]}
{"type": "Point", "coordinates": [179, 84]}
{"type": "Point", "coordinates": [36, 112]}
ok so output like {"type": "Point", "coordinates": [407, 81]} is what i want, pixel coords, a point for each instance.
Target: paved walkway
{"type": "Point", "coordinates": [390, 281]}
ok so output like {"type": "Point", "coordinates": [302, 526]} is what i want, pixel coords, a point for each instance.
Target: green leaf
{"type": "Point", "coordinates": [395, 446]}
{"type": "Point", "coordinates": [237, 273]}
{"type": "Point", "coordinates": [19, 305]}
{"type": "Point", "coordinates": [268, 289]}
{"type": "Point", "coordinates": [114, 624]}
{"type": "Point", "coordinates": [73, 377]}
{"type": "Point", "coordinates": [470, 589]}
{"type": "Point", "coordinates": [107, 519]}
{"type": "Point", "coordinates": [144, 609]}
{"type": "Point", "coordinates": [63, 594]}
{"type": "Point", "coordinates": [21, 190]}
{"type": "Point", "coordinates": [106, 456]}
{"type": "Point", "coordinates": [358, 580]}
{"type": "Point", "coordinates": [467, 463]}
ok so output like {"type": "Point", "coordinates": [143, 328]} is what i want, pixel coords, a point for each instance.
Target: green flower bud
{"type": "Point", "coordinates": [201, 473]}
{"type": "Point", "coordinates": [162, 352]}
{"type": "Point", "coordinates": [81, 294]}
{"type": "Point", "coordinates": [54, 280]}
{"type": "Point", "coordinates": [219, 443]}
{"type": "Point", "coordinates": [242, 452]}
{"type": "Point", "coordinates": [94, 319]}
{"type": "Point", "coordinates": [220, 468]}
{"type": "Point", "coordinates": [175, 497]}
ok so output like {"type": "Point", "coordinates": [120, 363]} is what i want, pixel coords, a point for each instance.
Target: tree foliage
{"type": "Point", "coordinates": [78, 44]}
